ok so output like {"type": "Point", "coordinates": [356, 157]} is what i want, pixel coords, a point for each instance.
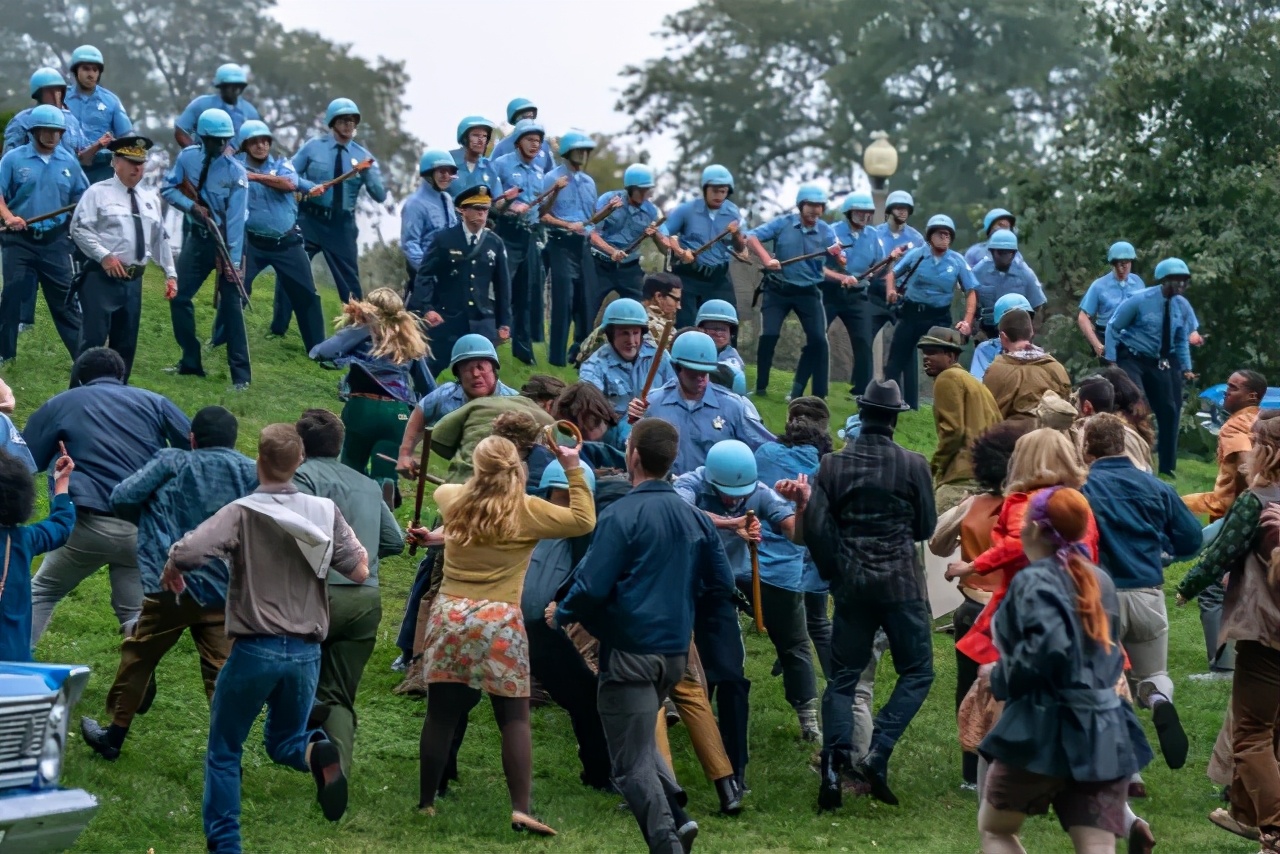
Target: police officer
{"type": "Point", "coordinates": [997, 276]}
{"type": "Point", "coordinates": [328, 216]}
{"type": "Point", "coordinates": [719, 320]}
{"type": "Point", "coordinates": [272, 236]}
{"type": "Point", "coordinates": [620, 366]}
{"type": "Point", "coordinates": [100, 113]}
{"type": "Point", "coordinates": [1147, 338]}
{"type": "Point", "coordinates": [929, 274]}
{"type": "Point", "coordinates": [995, 220]}
{"type": "Point", "coordinates": [703, 412]}
{"type": "Point", "coordinates": [221, 203]}
{"type": "Point", "coordinates": [569, 221]}
{"type": "Point", "coordinates": [899, 236]}
{"type": "Point", "coordinates": [230, 80]}
{"type": "Point", "coordinates": [1106, 293]}
{"type": "Point", "coordinates": [518, 226]}
{"type": "Point", "coordinates": [693, 224]}
{"type": "Point", "coordinates": [796, 287]}
{"type": "Point", "coordinates": [520, 110]}
{"type": "Point", "coordinates": [474, 134]}
{"type": "Point", "coordinates": [47, 88]}
{"type": "Point", "coordinates": [464, 285]}
{"type": "Point", "coordinates": [864, 246]}
{"type": "Point", "coordinates": [36, 178]}
{"type": "Point", "coordinates": [632, 218]}
{"type": "Point", "coordinates": [985, 353]}
{"type": "Point", "coordinates": [119, 226]}
{"type": "Point", "coordinates": [429, 211]}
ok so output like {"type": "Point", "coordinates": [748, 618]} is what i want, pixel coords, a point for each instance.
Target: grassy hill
{"type": "Point", "coordinates": [151, 797]}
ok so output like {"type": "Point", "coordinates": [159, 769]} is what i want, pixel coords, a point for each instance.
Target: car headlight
{"type": "Point", "coordinates": [50, 766]}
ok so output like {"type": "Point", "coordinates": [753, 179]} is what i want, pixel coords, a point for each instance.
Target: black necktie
{"type": "Point", "coordinates": [336, 203]}
{"type": "Point", "coordinates": [1166, 337]}
{"type": "Point", "coordinates": [139, 240]}
{"type": "Point", "coordinates": [471, 242]}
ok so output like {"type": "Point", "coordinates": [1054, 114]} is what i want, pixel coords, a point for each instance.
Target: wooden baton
{"type": "Point", "coordinates": [667, 329]}
{"type": "Point", "coordinates": [754, 548]}
{"type": "Point", "coordinates": [422, 482]}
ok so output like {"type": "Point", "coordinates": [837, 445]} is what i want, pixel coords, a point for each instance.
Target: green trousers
{"type": "Point", "coordinates": [354, 613]}
{"type": "Point", "coordinates": [373, 427]}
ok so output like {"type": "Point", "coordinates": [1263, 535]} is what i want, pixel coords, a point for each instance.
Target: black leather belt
{"type": "Point", "coordinates": [261, 241]}
{"type": "Point", "coordinates": [321, 212]}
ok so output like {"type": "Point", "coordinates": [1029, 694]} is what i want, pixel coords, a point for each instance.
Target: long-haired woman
{"type": "Point", "coordinates": [476, 639]}
{"type": "Point", "coordinates": [1130, 404]}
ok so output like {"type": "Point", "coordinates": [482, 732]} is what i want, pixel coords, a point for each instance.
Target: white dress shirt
{"type": "Point", "coordinates": [103, 225]}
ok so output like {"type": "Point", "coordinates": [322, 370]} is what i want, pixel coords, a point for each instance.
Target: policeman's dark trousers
{"type": "Point", "coordinates": [525, 264]}
{"type": "Point", "coordinates": [632, 688]}
{"type": "Point", "coordinates": [908, 628]}
{"type": "Point", "coordinates": [335, 236]}
{"type": "Point", "coordinates": [625, 279]}
{"type": "Point", "coordinates": [702, 283]}
{"type": "Point", "coordinates": [570, 281]}
{"type": "Point", "coordinates": [966, 674]}
{"type": "Point", "coordinates": [295, 288]}
{"type": "Point", "coordinates": [806, 302]}
{"type": "Point", "coordinates": [784, 620]}
{"type": "Point", "coordinates": [557, 665]}
{"type": "Point", "coordinates": [719, 640]}
{"type": "Point", "coordinates": [862, 316]}
{"type": "Point", "coordinates": [195, 263]}
{"type": "Point", "coordinates": [904, 360]}
{"type": "Point", "coordinates": [1163, 390]}
{"type": "Point", "coordinates": [28, 261]}
{"type": "Point", "coordinates": [111, 311]}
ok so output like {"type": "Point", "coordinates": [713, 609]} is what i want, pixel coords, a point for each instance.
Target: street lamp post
{"type": "Point", "coordinates": [880, 161]}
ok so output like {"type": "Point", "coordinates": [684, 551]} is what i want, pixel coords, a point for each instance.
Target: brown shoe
{"type": "Point", "coordinates": [525, 822]}
{"type": "Point", "coordinates": [1223, 819]}
{"type": "Point", "coordinates": [1141, 841]}
{"type": "Point", "coordinates": [414, 683]}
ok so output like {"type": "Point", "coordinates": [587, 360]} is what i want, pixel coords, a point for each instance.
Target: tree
{"type": "Point", "coordinates": [778, 90]}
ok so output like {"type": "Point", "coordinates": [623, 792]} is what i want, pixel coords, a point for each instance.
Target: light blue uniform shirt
{"type": "Point", "coordinates": [272, 213]}
{"type": "Point", "coordinates": [98, 112]}
{"type": "Point", "coordinates": [1190, 321]}
{"type": "Point", "coordinates": [625, 225]}
{"type": "Point", "coordinates": [449, 397]}
{"type": "Point", "coordinates": [620, 380]}
{"type": "Point", "coordinates": [694, 224]}
{"type": "Point", "coordinates": [576, 202]}
{"type": "Point", "coordinates": [425, 214]}
{"type": "Point", "coordinates": [483, 173]}
{"type": "Point", "coordinates": [993, 284]}
{"type": "Point", "coordinates": [31, 187]}
{"type": "Point", "coordinates": [513, 171]}
{"type": "Point", "coordinates": [729, 356]}
{"type": "Point", "coordinates": [893, 241]}
{"type": "Point", "coordinates": [790, 239]}
{"type": "Point", "coordinates": [507, 145]}
{"type": "Point", "coordinates": [240, 112]}
{"type": "Point", "coordinates": [794, 569]}
{"type": "Point", "coordinates": [11, 442]}
{"type": "Point", "coordinates": [1138, 324]}
{"type": "Point", "coordinates": [225, 193]}
{"type": "Point", "coordinates": [781, 568]}
{"type": "Point", "coordinates": [719, 415]}
{"type": "Point", "coordinates": [314, 164]}
{"type": "Point", "coordinates": [978, 251]}
{"type": "Point", "coordinates": [935, 277]}
{"type": "Point", "coordinates": [864, 249]}
{"type": "Point", "coordinates": [983, 355]}
{"type": "Point", "coordinates": [1105, 295]}
{"type": "Point", "coordinates": [18, 132]}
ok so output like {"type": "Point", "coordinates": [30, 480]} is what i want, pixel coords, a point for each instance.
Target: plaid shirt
{"type": "Point", "coordinates": [871, 502]}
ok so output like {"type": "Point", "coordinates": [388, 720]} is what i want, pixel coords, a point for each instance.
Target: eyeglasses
{"type": "Point", "coordinates": [675, 300]}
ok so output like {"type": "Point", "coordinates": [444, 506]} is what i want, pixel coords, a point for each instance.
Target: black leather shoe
{"type": "Point", "coordinates": [830, 795]}
{"type": "Point", "coordinates": [878, 783]}
{"type": "Point", "coordinates": [95, 735]}
{"type": "Point", "coordinates": [730, 795]}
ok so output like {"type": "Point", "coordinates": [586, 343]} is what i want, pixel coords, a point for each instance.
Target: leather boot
{"type": "Point", "coordinates": [830, 796]}
{"type": "Point", "coordinates": [730, 795]}
{"type": "Point", "coordinates": [105, 741]}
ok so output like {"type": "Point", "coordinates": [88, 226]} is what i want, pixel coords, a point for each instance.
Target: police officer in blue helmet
{"type": "Point", "coordinates": [615, 243]}
{"type": "Point", "coordinates": [567, 217]}
{"type": "Point", "coordinates": [429, 210]}
{"type": "Point", "coordinates": [230, 80]}
{"type": "Point", "coordinates": [620, 367]}
{"type": "Point", "coordinates": [712, 219]}
{"type": "Point", "coordinates": [998, 275]}
{"type": "Point", "coordinates": [994, 220]}
{"type": "Point", "coordinates": [48, 87]}
{"type": "Point", "coordinates": [101, 115]}
{"type": "Point", "coordinates": [522, 110]}
{"type": "Point", "coordinates": [1106, 293]}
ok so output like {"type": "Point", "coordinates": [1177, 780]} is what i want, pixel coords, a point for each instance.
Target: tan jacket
{"type": "Point", "coordinates": [1018, 380]}
{"type": "Point", "coordinates": [963, 409]}
{"type": "Point", "coordinates": [1234, 441]}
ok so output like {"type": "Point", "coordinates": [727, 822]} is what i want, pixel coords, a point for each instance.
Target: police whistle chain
{"type": "Point", "coordinates": [731, 228]}
{"type": "Point", "coordinates": [422, 482]}
{"type": "Point", "coordinates": [635, 244]}
{"type": "Point", "coordinates": [754, 548]}
{"type": "Point", "coordinates": [667, 329]}
{"type": "Point", "coordinates": [42, 217]}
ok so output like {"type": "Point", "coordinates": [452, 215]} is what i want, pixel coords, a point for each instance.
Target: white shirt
{"type": "Point", "coordinates": [103, 225]}
{"type": "Point", "coordinates": [473, 237]}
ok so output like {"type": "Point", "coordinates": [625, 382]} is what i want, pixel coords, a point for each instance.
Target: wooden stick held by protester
{"type": "Point", "coordinates": [667, 329]}
{"type": "Point", "coordinates": [754, 548]}
{"type": "Point", "coordinates": [422, 482]}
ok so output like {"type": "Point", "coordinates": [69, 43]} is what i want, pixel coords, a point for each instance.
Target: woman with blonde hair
{"type": "Point", "coordinates": [476, 639]}
{"type": "Point", "coordinates": [384, 349]}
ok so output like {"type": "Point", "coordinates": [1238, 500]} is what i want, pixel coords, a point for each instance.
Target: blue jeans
{"type": "Point", "coordinates": [853, 634]}
{"type": "Point", "coordinates": [280, 672]}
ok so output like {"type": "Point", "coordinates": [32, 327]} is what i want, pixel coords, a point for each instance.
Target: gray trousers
{"type": "Point", "coordinates": [632, 688]}
{"type": "Point", "coordinates": [1144, 632]}
{"type": "Point", "coordinates": [95, 541]}
{"type": "Point", "coordinates": [1221, 657]}
{"type": "Point", "coordinates": [864, 700]}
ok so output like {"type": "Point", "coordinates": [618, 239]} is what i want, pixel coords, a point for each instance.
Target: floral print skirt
{"type": "Point", "coordinates": [480, 643]}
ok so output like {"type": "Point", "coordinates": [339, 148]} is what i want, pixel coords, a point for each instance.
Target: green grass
{"type": "Point", "coordinates": [151, 797]}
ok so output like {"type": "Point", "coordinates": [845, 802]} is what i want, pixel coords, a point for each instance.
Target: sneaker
{"type": "Point", "coordinates": [240, 387]}
{"type": "Point", "coordinates": [1213, 676]}
{"type": "Point", "coordinates": [331, 783]}
{"type": "Point", "coordinates": [399, 665]}
{"type": "Point", "coordinates": [1173, 739]}
{"type": "Point", "coordinates": [686, 834]}
{"type": "Point", "coordinates": [95, 735]}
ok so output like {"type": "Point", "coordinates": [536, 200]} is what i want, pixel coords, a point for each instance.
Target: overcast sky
{"type": "Point", "coordinates": [565, 55]}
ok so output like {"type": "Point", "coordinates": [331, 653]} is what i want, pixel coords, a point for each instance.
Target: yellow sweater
{"type": "Point", "coordinates": [495, 571]}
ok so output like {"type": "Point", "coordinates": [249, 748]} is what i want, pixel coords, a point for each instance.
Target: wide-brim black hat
{"type": "Point", "coordinates": [883, 395]}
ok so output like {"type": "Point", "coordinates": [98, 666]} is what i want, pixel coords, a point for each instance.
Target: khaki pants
{"type": "Point", "coordinates": [1144, 633]}
{"type": "Point", "coordinates": [354, 613]}
{"type": "Point", "coordinates": [95, 541]}
{"type": "Point", "coordinates": [1255, 707]}
{"type": "Point", "coordinates": [695, 714]}
{"type": "Point", "coordinates": [163, 619]}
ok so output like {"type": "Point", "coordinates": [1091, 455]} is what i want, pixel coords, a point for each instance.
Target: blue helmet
{"type": "Point", "coordinates": [215, 124]}
{"type": "Point", "coordinates": [857, 202]}
{"type": "Point", "coordinates": [252, 129]}
{"type": "Point", "coordinates": [695, 351]}
{"type": "Point", "coordinates": [811, 194]}
{"type": "Point", "coordinates": [852, 427]}
{"type": "Point", "coordinates": [48, 116]}
{"type": "Point", "coordinates": [1008, 303]}
{"type": "Point", "coordinates": [554, 477]}
{"type": "Point", "coordinates": [575, 140]}
{"type": "Point", "coordinates": [900, 197]}
{"type": "Point", "coordinates": [1171, 267]}
{"type": "Point", "coordinates": [716, 309]}
{"type": "Point", "coordinates": [716, 175]}
{"type": "Point", "coordinates": [731, 468]}
{"type": "Point", "coordinates": [638, 175]}
{"type": "Point", "coordinates": [43, 78]}
{"type": "Point", "coordinates": [230, 74]}
{"type": "Point", "coordinates": [524, 127]}
{"type": "Point", "coordinates": [519, 105]}
{"type": "Point", "coordinates": [469, 124]}
{"type": "Point", "coordinates": [1003, 238]}
{"type": "Point", "coordinates": [1121, 250]}
{"type": "Point", "coordinates": [435, 158]}
{"type": "Point", "coordinates": [340, 107]}
{"type": "Point", "coordinates": [938, 221]}
{"type": "Point", "coordinates": [86, 53]}
{"type": "Point", "coordinates": [995, 214]}
{"type": "Point", "coordinates": [473, 346]}
{"type": "Point", "coordinates": [625, 312]}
